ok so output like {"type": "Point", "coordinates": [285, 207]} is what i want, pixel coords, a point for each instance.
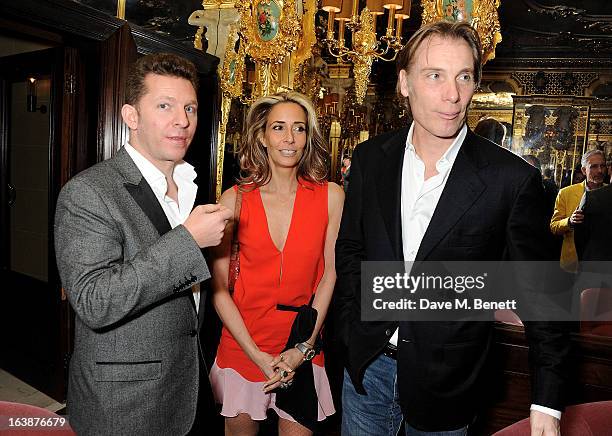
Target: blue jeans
{"type": "Point", "coordinates": [378, 413]}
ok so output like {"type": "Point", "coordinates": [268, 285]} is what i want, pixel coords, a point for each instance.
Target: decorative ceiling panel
{"type": "Point", "coordinates": [555, 28]}
{"type": "Point", "coordinates": [168, 17]}
{"type": "Point", "coordinates": [530, 28]}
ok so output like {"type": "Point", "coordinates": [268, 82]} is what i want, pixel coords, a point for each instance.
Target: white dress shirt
{"type": "Point", "coordinates": [420, 197]}
{"type": "Point", "coordinates": [419, 200]}
{"type": "Point", "coordinates": [183, 175]}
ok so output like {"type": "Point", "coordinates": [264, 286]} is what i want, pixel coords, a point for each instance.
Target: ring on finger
{"type": "Point", "coordinates": [283, 373]}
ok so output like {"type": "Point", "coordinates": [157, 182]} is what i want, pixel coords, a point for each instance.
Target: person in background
{"type": "Point", "coordinates": [573, 176]}
{"type": "Point", "coordinates": [547, 174]}
{"type": "Point", "coordinates": [567, 214]}
{"type": "Point", "coordinates": [594, 235]}
{"type": "Point", "coordinates": [507, 142]}
{"type": "Point", "coordinates": [550, 191]}
{"type": "Point", "coordinates": [491, 129]}
{"type": "Point", "coordinates": [345, 172]}
{"type": "Point", "coordinates": [289, 219]}
{"type": "Point", "coordinates": [550, 188]}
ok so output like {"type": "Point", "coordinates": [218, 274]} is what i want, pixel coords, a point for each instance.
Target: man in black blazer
{"type": "Point", "coordinates": [436, 191]}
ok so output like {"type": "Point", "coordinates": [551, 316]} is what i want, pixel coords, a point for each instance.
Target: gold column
{"type": "Point", "coordinates": [226, 103]}
{"type": "Point", "coordinates": [121, 9]}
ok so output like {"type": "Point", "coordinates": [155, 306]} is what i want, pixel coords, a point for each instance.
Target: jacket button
{"type": "Point", "coordinates": [388, 332]}
{"type": "Point", "coordinates": [193, 332]}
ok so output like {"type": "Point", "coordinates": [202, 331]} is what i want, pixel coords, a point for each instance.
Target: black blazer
{"type": "Point", "coordinates": [492, 208]}
{"type": "Point", "coordinates": [593, 238]}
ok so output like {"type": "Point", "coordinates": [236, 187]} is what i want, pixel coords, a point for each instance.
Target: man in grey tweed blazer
{"type": "Point", "coordinates": [128, 248]}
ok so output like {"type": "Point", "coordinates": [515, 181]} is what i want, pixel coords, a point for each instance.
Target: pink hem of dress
{"type": "Point", "coordinates": [238, 395]}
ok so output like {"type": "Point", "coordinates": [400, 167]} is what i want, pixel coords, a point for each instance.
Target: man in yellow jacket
{"type": "Point", "coordinates": [567, 214]}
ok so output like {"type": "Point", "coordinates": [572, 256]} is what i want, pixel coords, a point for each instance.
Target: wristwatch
{"type": "Point", "coordinates": [307, 351]}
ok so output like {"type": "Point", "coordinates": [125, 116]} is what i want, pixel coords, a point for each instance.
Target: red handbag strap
{"type": "Point", "coordinates": [237, 207]}
{"type": "Point", "coordinates": [234, 264]}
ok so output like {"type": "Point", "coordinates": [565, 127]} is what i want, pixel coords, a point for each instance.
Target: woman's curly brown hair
{"type": "Point", "coordinates": [253, 157]}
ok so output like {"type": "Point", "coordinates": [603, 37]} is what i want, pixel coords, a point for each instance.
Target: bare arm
{"type": "Point", "coordinates": [323, 296]}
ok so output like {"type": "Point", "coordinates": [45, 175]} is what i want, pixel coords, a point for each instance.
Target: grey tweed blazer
{"type": "Point", "coordinates": [127, 275]}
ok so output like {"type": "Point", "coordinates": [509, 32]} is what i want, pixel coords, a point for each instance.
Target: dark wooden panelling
{"type": "Point", "coordinates": [115, 54]}
{"type": "Point", "coordinates": [62, 16]}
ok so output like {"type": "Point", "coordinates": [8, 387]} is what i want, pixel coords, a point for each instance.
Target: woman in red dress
{"type": "Point", "coordinates": [289, 219]}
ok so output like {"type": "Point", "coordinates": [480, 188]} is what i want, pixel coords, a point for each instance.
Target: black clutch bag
{"type": "Point", "coordinates": [300, 399]}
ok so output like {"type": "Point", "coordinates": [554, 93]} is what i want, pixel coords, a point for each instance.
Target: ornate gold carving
{"type": "Point", "coordinates": [231, 76]}
{"type": "Point", "coordinates": [197, 42]}
{"type": "Point", "coordinates": [339, 71]}
{"type": "Point", "coordinates": [483, 17]}
{"type": "Point", "coordinates": [270, 28]}
{"type": "Point", "coordinates": [363, 43]}
{"type": "Point", "coordinates": [226, 103]}
{"type": "Point", "coordinates": [218, 4]}
{"type": "Point", "coordinates": [232, 72]}
{"type": "Point", "coordinates": [309, 37]}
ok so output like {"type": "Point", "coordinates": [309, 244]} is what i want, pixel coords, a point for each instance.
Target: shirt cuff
{"type": "Point", "coordinates": [552, 412]}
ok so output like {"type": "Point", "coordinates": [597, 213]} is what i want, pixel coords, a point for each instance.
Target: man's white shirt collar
{"type": "Point", "coordinates": [184, 174]}
{"type": "Point", "coordinates": [154, 176]}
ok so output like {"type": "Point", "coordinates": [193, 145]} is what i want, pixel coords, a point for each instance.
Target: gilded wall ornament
{"type": "Point", "coordinates": [364, 40]}
{"type": "Point", "coordinates": [481, 14]}
{"type": "Point", "coordinates": [232, 71]}
{"type": "Point", "coordinates": [308, 37]}
{"type": "Point", "coordinates": [270, 29]}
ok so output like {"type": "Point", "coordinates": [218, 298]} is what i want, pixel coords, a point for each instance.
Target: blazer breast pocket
{"type": "Point", "coordinates": [470, 237]}
{"type": "Point", "coordinates": [127, 371]}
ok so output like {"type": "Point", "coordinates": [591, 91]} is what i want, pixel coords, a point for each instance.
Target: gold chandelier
{"type": "Point", "coordinates": [366, 46]}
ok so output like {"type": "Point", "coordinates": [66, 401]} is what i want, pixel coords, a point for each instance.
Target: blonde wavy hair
{"type": "Point", "coordinates": [253, 157]}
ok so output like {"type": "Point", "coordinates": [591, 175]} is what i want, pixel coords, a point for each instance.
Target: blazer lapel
{"type": "Point", "coordinates": [461, 191]}
{"type": "Point", "coordinates": [143, 195]}
{"type": "Point", "coordinates": [389, 183]}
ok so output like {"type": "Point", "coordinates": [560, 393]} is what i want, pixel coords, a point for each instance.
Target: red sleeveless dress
{"type": "Point", "coordinates": [269, 277]}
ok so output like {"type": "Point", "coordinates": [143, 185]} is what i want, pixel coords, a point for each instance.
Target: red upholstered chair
{"type": "Point", "coordinates": [24, 420]}
{"type": "Point", "coordinates": [588, 419]}
{"type": "Point", "coordinates": [507, 316]}
{"type": "Point", "coordinates": [596, 311]}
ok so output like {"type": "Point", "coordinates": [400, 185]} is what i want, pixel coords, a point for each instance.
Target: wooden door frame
{"type": "Point", "coordinates": [47, 62]}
